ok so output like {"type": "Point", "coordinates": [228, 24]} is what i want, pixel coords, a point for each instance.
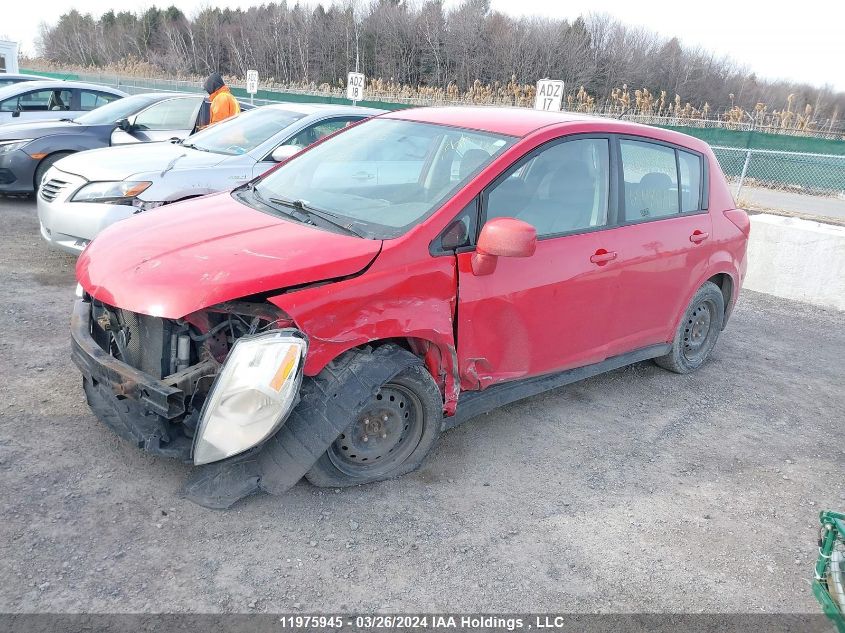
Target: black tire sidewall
{"type": "Point", "coordinates": [416, 379]}
{"type": "Point", "coordinates": [676, 360]}
{"type": "Point", "coordinates": [45, 165]}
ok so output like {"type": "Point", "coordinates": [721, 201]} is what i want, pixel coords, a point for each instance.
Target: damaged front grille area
{"type": "Point", "coordinates": [141, 341]}
{"type": "Point", "coordinates": [179, 359]}
{"type": "Point", "coordinates": [167, 348]}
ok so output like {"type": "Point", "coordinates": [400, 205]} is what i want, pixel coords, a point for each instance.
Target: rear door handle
{"type": "Point", "coordinates": [363, 175]}
{"type": "Point", "coordinates": [602, 256]}
{"type": "Point", "coordinates": [698, 236]}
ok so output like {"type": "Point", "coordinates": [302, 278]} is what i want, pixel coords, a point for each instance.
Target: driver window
{"type": "Point", "coordinates": [563, 189]}
{"type": "Point", "coordinates": [314, 133]}
{"type": "Point", "coordinates": [39, 101]}
{"type": "Point", "coordinates": [173, 114]}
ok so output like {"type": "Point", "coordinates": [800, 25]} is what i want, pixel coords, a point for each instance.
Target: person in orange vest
{"type": "Point", "coordinates": [223, 104]}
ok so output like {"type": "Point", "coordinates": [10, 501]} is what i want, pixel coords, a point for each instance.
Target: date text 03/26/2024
{"type": "Point", "coordinates": [422, 622]}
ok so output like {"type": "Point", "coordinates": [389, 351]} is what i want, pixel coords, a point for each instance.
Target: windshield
{"type": "Point", "coordinates": [116, 110]}
{"type": "Point", "coordinates": [243, 133]}
{"type": "Point", "coordinates": [384, 175]}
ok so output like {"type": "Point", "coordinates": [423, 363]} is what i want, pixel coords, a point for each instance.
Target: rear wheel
{"type": "Point", "coordinates": [698, 331]}
{"type": "Point", "coordinates": [389, 436]}
{"type": "Point", "coordinates": [44, 165]}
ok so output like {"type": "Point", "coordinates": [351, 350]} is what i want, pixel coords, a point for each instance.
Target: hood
{"type": "Point", "coordinates": [118, 163]}
{"type": "Point", "coordinates": [213, 83]}
{"type": "Point", "coordinates": [37, 129]}
{"type": "Point", "coordinates": [181, 258]}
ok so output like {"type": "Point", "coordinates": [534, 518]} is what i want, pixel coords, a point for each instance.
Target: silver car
{"type": "Point", "coordinates": [86, 192]}
{"type": "Point", "coordinates": [52, 99]}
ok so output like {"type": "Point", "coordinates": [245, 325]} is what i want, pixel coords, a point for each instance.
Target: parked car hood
{"type": "Point", "coordinates": [37, 129]}
{"type": "Point", "coordinates": [122, 161]}
{"type": "Point", "coordinates": [181, 258]}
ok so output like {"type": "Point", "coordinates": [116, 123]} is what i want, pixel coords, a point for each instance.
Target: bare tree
{"type": "Point", "coordinates": [421, 43]}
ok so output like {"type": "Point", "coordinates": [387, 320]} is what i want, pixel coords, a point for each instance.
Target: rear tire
{"type": "Point", "coordinates": [389, 436]}
{"type": "Point", "coordinates": [698, 331]}
{"type": "Point", "coordinates": [44, 165]}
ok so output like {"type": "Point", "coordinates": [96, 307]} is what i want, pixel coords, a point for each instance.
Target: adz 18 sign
{"type": "Point", "coordinates": [355, 86]}
{"type": "Point", "coordinates": [252, 81]}
{"type": "Point", "coordinates": [549, 95]}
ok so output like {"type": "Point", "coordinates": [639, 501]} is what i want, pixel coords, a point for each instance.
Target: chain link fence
{"type": "Point", "coordinates": [785, 181]}
{"type": "Point", "coordinates": [794, 182]}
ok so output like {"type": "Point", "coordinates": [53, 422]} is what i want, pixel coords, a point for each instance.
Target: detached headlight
{"type": "Point", "coordinates": [252, 396]}
{"type": "Point", "coordinates": [11, 146]}
{"type": "Point", "coordinates": [123, 191]}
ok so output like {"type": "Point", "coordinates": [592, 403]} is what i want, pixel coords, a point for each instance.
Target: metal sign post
{"type": "Point", "coordinates": [549, 95]}
{"type": "Point", "coordinates": [251, 84]}
{"type": "Point", "coordinates": [355, 87]}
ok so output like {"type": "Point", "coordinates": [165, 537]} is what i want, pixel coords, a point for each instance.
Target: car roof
{"type": "Point", "coordinates": [161, 96]}
{"type": "Point", "coordinates": [512, 121]}
{"type": "Point", "coordinates": [12, 90]}
{"type": "Point", "coordinates": [23, 77]}
{"type": "Point", "coordinates": [520, 122]}
{"type": "Point", "coordinates": [324, 108]}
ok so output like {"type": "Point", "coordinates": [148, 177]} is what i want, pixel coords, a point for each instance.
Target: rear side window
{"type": "Point", "coordinates": [690, 165]}
{"type": "Point", "coordinates": [651, 180]}
{"type": "Point", "coordinates": [91, 100]}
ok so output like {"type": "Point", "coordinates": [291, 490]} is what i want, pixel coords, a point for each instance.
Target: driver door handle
{"type": "Point", "coordinates": [363, 175]}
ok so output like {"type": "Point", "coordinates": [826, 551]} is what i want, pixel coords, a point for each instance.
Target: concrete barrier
{"type": "Point", "coordinates": [797, 259]}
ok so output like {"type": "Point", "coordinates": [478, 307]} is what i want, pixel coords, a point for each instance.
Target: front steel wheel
{"type": "Point", "coordinates": [388, 436]}
{"type": "Point", "coordinates": [384, 434]}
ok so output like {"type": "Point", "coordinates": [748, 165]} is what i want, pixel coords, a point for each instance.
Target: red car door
{"type": "Point", "coordinates": [550, 311]}
{"type": "Point", "coordinates": [661, 246]}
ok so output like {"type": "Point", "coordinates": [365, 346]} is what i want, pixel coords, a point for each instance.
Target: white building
{"type": "Point", "coordinates": [8, 57]}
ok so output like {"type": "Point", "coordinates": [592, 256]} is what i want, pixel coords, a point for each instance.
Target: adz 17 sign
{"type": "Point", "coordinates": [549, 95]}
{"type": "Point", "coordinates": [355, 86]}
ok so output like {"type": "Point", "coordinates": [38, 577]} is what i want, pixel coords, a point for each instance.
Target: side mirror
{"type": "Point", "coordinates": [16, 114]}
{"type": "Point", "coordinates": [283, 152]}
{"type": "Point", "coordinates": [502, 237]}
{"type": "Point", "coordinates": [124, 125]}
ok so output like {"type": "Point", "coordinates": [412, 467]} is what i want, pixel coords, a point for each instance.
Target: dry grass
{"type": "Point", "coordinates": [642, 103]}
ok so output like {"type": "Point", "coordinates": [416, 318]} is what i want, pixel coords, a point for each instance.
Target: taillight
{"type": "Point", "coordinates": [739, 219]}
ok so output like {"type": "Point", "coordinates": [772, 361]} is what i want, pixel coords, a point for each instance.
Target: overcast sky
{"type": "Point", "coordinates": [803, 42]}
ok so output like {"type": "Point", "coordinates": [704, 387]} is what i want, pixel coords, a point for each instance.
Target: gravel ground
{"type": "Point", "coordinates": [635, 491]}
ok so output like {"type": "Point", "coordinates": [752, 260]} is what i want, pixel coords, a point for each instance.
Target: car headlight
{"type": "Point", "coordinates": [11, 146]}
{"type": "Point", "coordinates": [123, 191]}
{"type": "Point", "coordinates": [252, 396]}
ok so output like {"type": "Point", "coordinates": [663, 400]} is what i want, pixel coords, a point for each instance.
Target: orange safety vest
{"type": "Point", "coordinates": [223, 105]}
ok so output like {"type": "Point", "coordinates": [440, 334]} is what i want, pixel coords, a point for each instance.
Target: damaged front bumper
{"type": "Point", "coordinates": [135, 405]}
{"type": "Point", "coordinates": [161, 416]}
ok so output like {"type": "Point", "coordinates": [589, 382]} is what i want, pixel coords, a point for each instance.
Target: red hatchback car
{"type": "Point", "coordinates": [331, 318]}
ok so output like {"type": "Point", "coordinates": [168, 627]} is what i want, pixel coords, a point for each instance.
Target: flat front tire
{"type": "Point", "coordinates": [388, 436]}
{"type": "Point", "coordinates": [697, 332]}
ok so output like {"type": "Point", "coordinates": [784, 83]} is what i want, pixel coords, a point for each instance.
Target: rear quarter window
{"type": "Point", "coordinates": [691, 181]}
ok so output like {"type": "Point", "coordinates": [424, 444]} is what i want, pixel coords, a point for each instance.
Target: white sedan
{"type": "Point", "coordinates": [86, 192]}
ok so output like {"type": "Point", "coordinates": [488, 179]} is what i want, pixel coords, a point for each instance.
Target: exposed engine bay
{"type": "Point", "coordinates": [185, 355]}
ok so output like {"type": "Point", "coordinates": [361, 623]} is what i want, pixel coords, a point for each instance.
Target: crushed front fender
{"type": "Point", "coordinates": [328, 402]}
